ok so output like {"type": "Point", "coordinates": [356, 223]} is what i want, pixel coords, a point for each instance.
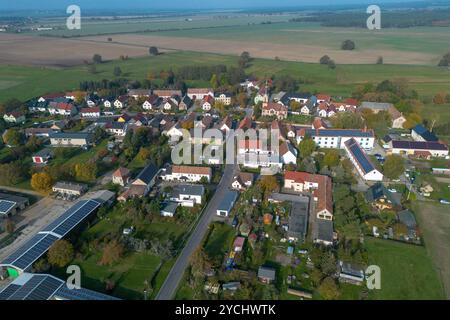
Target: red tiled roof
{"type": "Point", "coordinates": [90, 110]}
{"type": "Point", "coordinates": [192, 170]}
{"type": "Point", "coordinates": [121, 172]}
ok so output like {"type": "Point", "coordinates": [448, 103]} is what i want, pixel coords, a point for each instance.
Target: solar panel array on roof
{"type": "Point", "coordinates": [6, 206]}
{"type": "Point", "coordinates": [24, 257]}
{"type": "Point", "coordinates": [26, 260]}
{"type": "Point", "coordinates": [339, 133]}
{"type": "Point", "coordinates": [72, 217]}
{"type": "Point", "coordinates": [9, 291]}
{"type": "Point", "coordinates": [359, 155]}
{"type": "Point", "coordinates": [80, 294]}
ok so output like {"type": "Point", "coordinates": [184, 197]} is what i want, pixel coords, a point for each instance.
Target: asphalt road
{"type": "Point", "coordinates": [175, 275]}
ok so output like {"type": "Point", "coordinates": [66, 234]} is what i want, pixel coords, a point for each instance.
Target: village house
{"type": "Point", "coordinates": [121, 102]}
{"type": "Point", "coordinates": [325, 234]}
{"type": "Point", "coordinates": [199, 93]}
{"type": "Point", "coordinates": [187, 195]}
{"type": "Point", "coordinates": [335, 138]}
{"type": "Point", "coordinates": [71, 139]}
{"type": "Point", "coordinates": [323, 98]}
{"type": "Point", "coordinates": [274, 109]}
{"type": "Point", "coordinates": [224, 98]}
{"type": "Point", "coordinates": [420, 133]}
{"type": "Point", "coordinates": [169, 209]}
{"type": "Point", "coordinates": [242, 181]}
{"type": "Point", "coordinates": [117, 128]}
{"type": "Point", "coordinates": [397, 118]}
{"type": "Point", "coordinates": [141, 186]}
{"type": "Point", "coordinates": [226, 125]}
{"type": "Point", "coordinates": [93, 112]}
{"type": "Point", "coordinates": [361, 161]}
{"type": "Point", "coordinates": [62, 109]}
{"type": "Point", "coordinates": [207, 103]}
{"type": "Point", "coordinates": [319, 186]}
{"type": "Point", "coordinates": [39, 132]}
{"type": "Point", "coordinates": [37, 106]}
{"type": "Point", "coordinates": [167, 93]}
{"type": "Point", "coordinates": [139, 93]}
{"type": "Point", "coordinates": [151, 103]}
{"type": "Point", "coordinates": [185, 103]}
{"type": "Point", "coordinates": [288, 153]}
{"type": "Point", "coordinates": [318, 123]}
{"type": "Point", "coordinates": [121, 176]}
{"type": "Point", "coordinates": [187, 174]}
{"type": "Point", "coordinates": [14, 117]}
{"type": "Point", "coordinates": [43, 156]}
{"type": "Point", "coordinates": [69, 189]}
{"type": "Point", "coordinates": [418, 148]}
{"type": "Point", "coordinates": [381, 198]}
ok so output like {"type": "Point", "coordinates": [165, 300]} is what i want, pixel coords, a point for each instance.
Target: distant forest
{"type": "Point", "coordinates": [389, 19]}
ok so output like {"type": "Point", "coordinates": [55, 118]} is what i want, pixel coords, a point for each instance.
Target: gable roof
{"type": "Point", "coordinates": [147, 174]}
{"type": "Point", "coordinates": [425, 133]}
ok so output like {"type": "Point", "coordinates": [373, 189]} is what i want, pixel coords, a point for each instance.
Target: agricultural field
{"type": "Point", "coordinates": [407, 272]}
{"type": "Point", "coordinates": [434, 220]}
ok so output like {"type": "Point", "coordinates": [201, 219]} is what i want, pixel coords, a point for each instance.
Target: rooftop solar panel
{"type": "Point", "coordinates": [27, 288]}
{"type": "Point", "coordinates": [6, 206]}
{"type": "Point", "coordinates": [81, 294]}
{"type": "Point", "coordinates": [339, 133]}
{"type": "Point", "coordinates": [9, 291]}
{"type": "Point", "coordinates": [359, 155]}
{"type": "Point", "coordinates": [77, 217]}
{"type": "Point", "coordinates": [35, 252]}
{"type": "Point", "coordinates": [21, 250]}
{"type": "Point", "coordinates": [45, 289]}
{"type": "Point", "coordinates": [64, 216]}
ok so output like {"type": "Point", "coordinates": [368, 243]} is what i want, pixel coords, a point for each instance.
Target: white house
{"type": "Point", "coordinates": [361, 161]}
{"type": "Point", "coordinates": [188, 195]}
{"type": "Point", "coordinates": [199, 93]}
{"type": "Point", "coordinates": [207, 103]}
{"type": "Point", "coordinates": [224, 98]}
{"type": "Point", "coordinates": [14, 117]}
{"type": "Point", "coordinates": [93, 112]}
{"type": "Point", "coordinates": [120, 102]}
{"type": "Point", "coordinates": [288, 153]}
{"type": "Point", "coordinates": [187, 174]}
{"type": "Point", "coordinates": [335, 138]}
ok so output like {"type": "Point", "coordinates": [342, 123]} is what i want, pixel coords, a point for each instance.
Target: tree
{"type": "Point", "coordinates": [41, 182]}
{"type": "Point", "coordinates": [244, 59]}
{"type": "Point", "coordinates": [328, 289]}
{"type": "Point", "coordinates": [117, 72]}
{"type": "Point", "coordinates": [97, 58]}
{"type": "Point", "coordinates": [268, 184]}
{"type": "Point", "coordinates": [60, 253]}
{"type": "Point", "coordinates": [324, 59]}
{"type": "Point", "coordinates": [214, 82]}
{"type": "Point", "coordinates": [380, 60]}
{"type": "Point", "coordinates": [306, 147]}
{"type": "Point", "coordinates": [144, 154]}
{"type": "Point", "coordinates": [412, 120]}
{"type": "Point", "coordinates": [348, 45]}
{"type": "Point", "coordinates": [112, 252]}
{"type": "Point", "coordinates": [13, 137]}
{"type": "Point", "coordinates": [153, 51]}
{"type": "Point", "coordinates": [331, 158]}
{"type": "Point", "coordinates": [393, 166]}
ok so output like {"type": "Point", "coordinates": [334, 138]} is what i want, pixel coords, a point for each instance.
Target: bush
{"type": "Point", "coordinates": [348, 45]}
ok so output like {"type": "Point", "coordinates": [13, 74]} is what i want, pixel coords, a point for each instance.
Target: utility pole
{"type": "Point", "coordinates": [432, 125]}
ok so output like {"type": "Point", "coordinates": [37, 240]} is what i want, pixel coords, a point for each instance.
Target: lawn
{"type": "Point", "coordinates": [407, 272]}
{"type": "Point", "coordinates": [219, 241]}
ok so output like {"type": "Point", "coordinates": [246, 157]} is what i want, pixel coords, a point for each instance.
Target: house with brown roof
{"type": "Point", "coordinates": [242, 181]}
{"type": "Point", "coordinates": [121, 176]}
{"type": "Point", "coordinates": [93, 112]}
{"type": "Point", "coordinates": [397, 118]}
{"type": "Point", "coordinates": [62, 108]}
{"type": "Point", "coordinates": [187, 173]}
{"type": "Point", "coordinates": [274, 109]}
{"type": "Point", "coordinates": [207, 102]}
{"type": "Point", "coordinates": [319, 186]}
{"type": "Point", "coordinates": [199, 93]}
{"type": "Point", "coordinates": [167, 93]}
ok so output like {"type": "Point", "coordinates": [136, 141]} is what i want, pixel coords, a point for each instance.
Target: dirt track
{"type": "Point", "coordinates": [31, 50]}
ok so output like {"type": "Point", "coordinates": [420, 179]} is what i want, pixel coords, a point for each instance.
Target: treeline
{"type": "Point", "coordinates": [390, 19]}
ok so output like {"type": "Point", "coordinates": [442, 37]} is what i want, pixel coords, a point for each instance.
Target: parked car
{"type": "Point", "coordinates": [443, 201]}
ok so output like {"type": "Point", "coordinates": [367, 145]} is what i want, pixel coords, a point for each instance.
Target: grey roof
{"type": "Point", "coordinates": [71, 135]}
{"type": "Point", "coordinates": [190, 189]}
{"type": "Point", "coordinates": [407, 218]}
{"type": "Point", "coordinates": [148, 173]}
{"type": "Point", "coordinates": [298, 220]}
{"type": "Point", "coordinates": [14, 198]}
{"type": "Point", "coordinates": [378, 190]}
{"type": "Point", "coordinates": [171, 207]}
{"type": "Point", "coordinates": [351, 269]}
{"type": "Point", "coordinates": [265, 272]}
{"type": "Point", "coordinates": [375, 105]}
{"type": "Point", "coordinates": [70, 186]}
{"type": "Point", "coordinates": [228, 201]}
{"type": "Point", "coordinates": [46, 287]}
{"type": "Point", "coordinates": [288, 197]}
{"type": "Point", "coordinates": [325, 230]}
{"type": "Point", "coordinates": [46, 152]}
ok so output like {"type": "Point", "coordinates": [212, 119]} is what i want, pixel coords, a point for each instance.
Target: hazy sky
{"type": "Point", "coordinates": [174, 4]}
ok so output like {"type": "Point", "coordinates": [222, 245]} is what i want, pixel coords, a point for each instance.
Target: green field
{"type": "Point", "coordinates": [407, 272]}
